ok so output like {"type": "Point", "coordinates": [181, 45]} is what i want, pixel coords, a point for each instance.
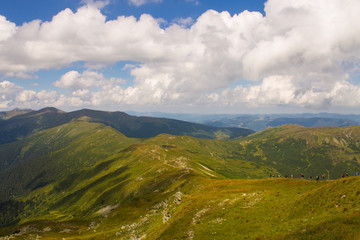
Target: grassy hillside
{"type": "Point", "coordinates": [85, 180]}
{"type": "Point", "coordinates": [55, 153]}
{"type": "Point", "coordinates": [189, 207]}
{"type": "Point", "coordinates": [293, 149]}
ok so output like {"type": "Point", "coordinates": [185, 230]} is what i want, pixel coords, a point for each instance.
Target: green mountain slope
{"type": "Point", "coordinates": [297, 150]}
{"type": "Point", "coordinates": [24, 125]}
{"type": "Point", "coordinates": [85, 180]}
{"type": "Point", "coordinates": [55, 153]}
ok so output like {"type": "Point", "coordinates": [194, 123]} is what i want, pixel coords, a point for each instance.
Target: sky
{"type": "Point", "coordinates": [188, 56]}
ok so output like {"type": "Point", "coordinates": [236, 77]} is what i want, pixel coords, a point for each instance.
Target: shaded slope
{"type": "Point", "coordinates": [20, 126]}
{"type": "Point", "coordinates": [55, 153]}
{"type": "Point", "coordinates": [146, 127]}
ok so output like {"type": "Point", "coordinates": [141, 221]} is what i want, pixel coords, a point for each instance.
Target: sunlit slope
{"type": "Point", "coordinates": [269, 209]}
{"type": "Point", "coordinates": [292, 149]}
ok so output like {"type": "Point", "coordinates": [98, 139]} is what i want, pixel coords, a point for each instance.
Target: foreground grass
{"type": "Point", "coordinates": [219, 209]}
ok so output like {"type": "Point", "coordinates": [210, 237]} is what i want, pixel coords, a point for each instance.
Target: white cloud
{"type": "Point", "coordinates": [283, 91]}
{"type": "Point", "coordinates": [87, 79]}
{"type": "Point", "coordinates": [138, 3]}
{"type": "Point", "coordinates": [90, 88]}
{"type": "Point", "coordinates": [26, 96]}
{"type": "Point", "coordinates": [81, 36]}
{"type": "Point", "coordinates": [8, 92]}
{"type": "Point", "coordinates": [302, 53]}
{"type": "Point", "coordinates": [12, 95]}
{"type": "Point", "coordinates": [7, 29]}
{"type": "Point", "coordinates": [78, 81]}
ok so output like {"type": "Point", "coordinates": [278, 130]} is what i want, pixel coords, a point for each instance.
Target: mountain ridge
{"type": "Point", "coordinates": [259, 122]}
{"type": "Point", "coordinates": [23, 125]}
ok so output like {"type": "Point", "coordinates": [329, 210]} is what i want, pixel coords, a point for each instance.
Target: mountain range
{"type": "Point", "coordinates": [77, 176]}
{"type": "Point", "coordinates": [259, 122]}
{"type": "Point", "coordinates": [22, 125]}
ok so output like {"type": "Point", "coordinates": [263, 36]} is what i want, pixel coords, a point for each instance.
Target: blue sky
{"type": "Point", "coordinates": [20, 11]}
{"type": "Point", "coordinates": [181, 55]}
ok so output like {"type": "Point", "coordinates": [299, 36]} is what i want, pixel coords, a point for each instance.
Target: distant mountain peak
{"type": "Point", "coordinates": [50, 109]}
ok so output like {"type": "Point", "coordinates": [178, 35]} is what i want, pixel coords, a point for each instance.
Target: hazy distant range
{"type": "Point", "coordinates": [258, 122]}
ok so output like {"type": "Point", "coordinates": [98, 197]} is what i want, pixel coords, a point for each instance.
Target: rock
{"type": "Point", "coordinates": [166, 217]}
{"type": "Point", "coordinates": [104, 212]}
{"type": "Point", "coordinates": [178, 198]}
{"type": "Point", "coordinates": [93, 225]}
{"type": "Point", "coordinates": [47, 229]}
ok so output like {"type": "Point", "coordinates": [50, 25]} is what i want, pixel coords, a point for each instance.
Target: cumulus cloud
{"type": "Point", "coordinates": [91, 88]}
{"type": "Point", "coordinates": [8, 92]}
{"type": "Point", "coordinates": [301, 53]}
{"type": "Point", "coordinates": [88, 79]}
{"type": "Point", "coordinates": [7, 29]}
{"type": "Point", "coordinates": [12, 95]}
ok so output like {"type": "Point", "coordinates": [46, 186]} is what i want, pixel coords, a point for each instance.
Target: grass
{"type": "Point", "coordinates": [106, 186]}
{"type": "Point", "coordinates": [223, 209]}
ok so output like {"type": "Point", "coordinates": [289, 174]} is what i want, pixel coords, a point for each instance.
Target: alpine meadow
{"type": "Point", "coordinates": [180, 120]}
{"type": "Point", "coordinates": [80, 178]}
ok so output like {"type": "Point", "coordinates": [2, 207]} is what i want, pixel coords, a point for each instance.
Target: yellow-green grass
{"type": "Point", "coordinates": [222, 209]}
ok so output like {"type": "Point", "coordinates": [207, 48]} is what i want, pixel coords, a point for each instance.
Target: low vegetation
{"type": "Point", "coordinates": [86, 180]}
